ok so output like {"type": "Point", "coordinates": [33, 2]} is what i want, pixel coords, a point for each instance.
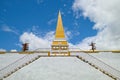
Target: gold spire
{"type": "Point", "coordinates": [59, 29]}
{"type": "Point", "coordinates": [60, 35]}
{"type": "Point", "coordinates": [59, 44]}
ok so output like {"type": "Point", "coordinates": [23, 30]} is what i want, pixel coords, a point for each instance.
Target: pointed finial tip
{"type": "Point", "coordinates": [59, 13]}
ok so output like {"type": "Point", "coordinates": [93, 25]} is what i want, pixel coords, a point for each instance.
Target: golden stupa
{"type": "Point", "coordinates": [59, 44]}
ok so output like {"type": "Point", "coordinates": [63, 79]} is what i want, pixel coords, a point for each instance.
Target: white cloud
{"type": "Point", "coordinates": [68, 35]}
{"type": "Point", "coordinates": [84, 45]}
{"type": "Point", "coordinates": [6, 28]}
{"type": "Point", "coordinates": [69, 12]}
{"type": "Point", "coordinates": [50, 22]}
{"type": "Point", "coordinates": [35, 28]}
{"type": "Point", "coordinates": [105, 15]}
{"type": "Point", "coordinates": [39, 1]}
{"type": "Point", "coordinates": [64, 5]}
{"type": "Point", "coordinates": [49, 36]}
{"type": "Point", "coordinates": [2, 50]}
{"type": "Point", "coordinates": [75, 23]}
{"type": "Point", "coordinates": [62, 13]}
{"type": "Point", "coordinates": [36, 42]}
{"type": "Point", "coordinates": [13, 50]}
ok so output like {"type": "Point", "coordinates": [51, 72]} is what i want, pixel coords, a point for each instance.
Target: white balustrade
{"type": "Point", "coordinates": [8, 70]}
{"type": "Point", "coordinates": [101, 65]}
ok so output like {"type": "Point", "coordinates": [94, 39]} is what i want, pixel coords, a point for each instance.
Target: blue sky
{"type": "Point", "coordinates": [19, 16]}
{"type": "Point", "coordinates": [22, 15]}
